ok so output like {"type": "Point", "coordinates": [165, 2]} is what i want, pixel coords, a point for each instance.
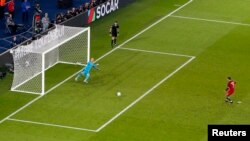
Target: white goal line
{"type": "Point", "coordinates": [133, 37]}
{"type": "Point", "coordinates": [35, 75]}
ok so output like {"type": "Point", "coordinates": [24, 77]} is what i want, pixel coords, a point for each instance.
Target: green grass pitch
{"type": "Point", "coordinates": [166, 96]}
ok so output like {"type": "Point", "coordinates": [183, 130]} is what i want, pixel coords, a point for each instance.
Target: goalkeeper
{"type": "Point", "coordinates": [86, 70]}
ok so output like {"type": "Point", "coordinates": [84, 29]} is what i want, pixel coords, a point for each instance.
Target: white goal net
{"type": "Point", "coordinates": [68, 45]}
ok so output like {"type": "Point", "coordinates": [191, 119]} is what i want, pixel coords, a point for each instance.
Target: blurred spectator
{"type": "Point", "coordinates": [45, 22]}
{"type": "Point", "coordinates": [97, 2]}
{"type": "Point", "coordinates": [2, 75]}
{"type": "Point", "coordinates": [38, 10]}
{"type": "Point", "coordinates": [38, 26]}
{"type": "Point", "coordinates": [59, 18]}
{"type": "Point", "coordinates": [92, 4]}
{"type": "Point", "coordinates": [9, 67]}
{"type": "Point", "coordinates": [14, 41]}
{"type": "Point", "coordinates": [37, 17]}
{"type": "Point", "coordinates": [80, 10]}
{"type": "Point", "coordinates": [68, 15]}
{"type": "Point", "coordinates": [25, 10]}
{"type": "Point", "coordinates": [11, 24]}
{"type": "Point", "coordinates": [2, 4]}
{"type": "Point", "coordinates": [86, 6]}
{"type": "Point", "coordinates": [73, 12]}
{"type": "Point", "coordinates": [11, 8]}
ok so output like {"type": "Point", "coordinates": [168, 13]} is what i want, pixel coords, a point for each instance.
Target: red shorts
{"type": "Point", "coordinates": [230, 92]}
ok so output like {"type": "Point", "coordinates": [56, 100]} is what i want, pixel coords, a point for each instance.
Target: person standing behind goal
{"type": "Point", "coordinates": [114, 32]}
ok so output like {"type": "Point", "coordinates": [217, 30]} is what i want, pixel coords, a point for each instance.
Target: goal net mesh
{"type": "Point", "coordinates": [68, 45]}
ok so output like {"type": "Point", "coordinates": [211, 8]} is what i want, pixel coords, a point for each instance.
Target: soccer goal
{"type": "Point", "coordinates": [68, 45]}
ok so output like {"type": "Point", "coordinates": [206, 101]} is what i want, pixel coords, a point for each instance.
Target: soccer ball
{"type": "Point", "coordinates": [119, 94]}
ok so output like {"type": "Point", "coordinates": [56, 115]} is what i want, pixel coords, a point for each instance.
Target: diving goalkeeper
{"type": "Point", "coordinates": [86, 70]}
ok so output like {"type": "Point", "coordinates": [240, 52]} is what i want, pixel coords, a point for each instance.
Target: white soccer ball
{"type": "Point", "coordinates": [119, 94]}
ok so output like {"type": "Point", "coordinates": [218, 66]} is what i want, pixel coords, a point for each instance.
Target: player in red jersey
{"type": "Point", "coordinates": [230, 89]}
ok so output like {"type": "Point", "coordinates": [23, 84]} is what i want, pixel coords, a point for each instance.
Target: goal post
{"type": "Point", "coordinates": [64, 44]}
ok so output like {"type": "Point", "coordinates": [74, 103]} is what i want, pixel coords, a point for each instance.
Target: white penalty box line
{"type": "Point", "coordinates": [210, 20]}
{"type": "Point", "coordinates": [191, 58]}
{"type": "Point", "coordinates": [124, 110]}
{"type": "Point", "coordinates": [49, 124]}
{"type": "Point", "coordinates": [157, 52]}
{"type": "Point", "coordinates": [127, 107]}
